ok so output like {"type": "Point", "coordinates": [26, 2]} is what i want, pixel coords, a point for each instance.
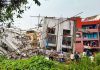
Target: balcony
{"type": "Point", "coordinates": [50, 44]}
{"type": "Point", "coordinates": [90, 36]}
{"type": "Point", "coordinates": [95, 47]}
{"type": "Point", "coordinates": [91, 28]}
{"type": "Point", "coordinates": [89, 47]}
{"type": "Point", "coordinates": [91, 44]}
{"type": "Point", "coordinates": [64, 46]}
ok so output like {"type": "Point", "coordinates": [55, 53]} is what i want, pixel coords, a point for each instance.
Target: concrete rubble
{"type": "Point", "coordinates": [15, 44]}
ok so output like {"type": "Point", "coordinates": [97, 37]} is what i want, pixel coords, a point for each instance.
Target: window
{"type": "Point", "coordinates": [91, 43]}
{"type": "Point", "coordinates": [66, 32]}
{"type": "Point", "coordinates": [52, 39]}
{"type": "Point", "coordinates": [86, 43]}
{"type": "Point", "coordinates": [66, 41]}
{"type": "Point", "coordinates": [94, 26]}
{"type": "Point", "coordinates": [31, 31]}
{"type": "Point", "coordinates": [66, 50]}
{"type": "Point", "coordinates": [78, 41]}
{"type": "Point", "coordinates": [90, 35]}
{"type": "Point", "coordinates": [51, 30]}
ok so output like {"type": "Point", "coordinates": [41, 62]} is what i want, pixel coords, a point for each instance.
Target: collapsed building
{"type": "Point", "coordinates": [14, 41]}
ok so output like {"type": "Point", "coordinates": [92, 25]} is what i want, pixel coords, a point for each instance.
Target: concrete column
{"type": "Point", "coordinates": [59, 36]}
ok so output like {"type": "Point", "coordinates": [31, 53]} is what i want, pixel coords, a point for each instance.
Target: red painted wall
{"type": "Point", "coordinates": [79, 23]}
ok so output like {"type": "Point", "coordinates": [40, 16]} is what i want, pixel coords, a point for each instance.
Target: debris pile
{"type": "Point", "coordinates": [15, 44]}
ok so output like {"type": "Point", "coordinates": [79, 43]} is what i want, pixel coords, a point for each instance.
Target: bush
{"type": "Point", "coordinates": [2, 57]}
{"type": "Point", "coordinates": [86, 64]}
{"type": "Point", "coordinates": [33, 63]}
{"type": "Point", "coordinates": [97, 59]}
{"type": "Point", "coordinates": [83, 64]}
{"type": "Point", "coordinates": [40, 63]}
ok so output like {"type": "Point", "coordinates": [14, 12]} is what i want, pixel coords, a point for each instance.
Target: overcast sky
{"type": "Point", "coordinates": [57, 8]}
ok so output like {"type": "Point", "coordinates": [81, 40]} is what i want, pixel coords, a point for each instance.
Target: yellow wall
{"type": "Point", "coordinates": [33, 38]}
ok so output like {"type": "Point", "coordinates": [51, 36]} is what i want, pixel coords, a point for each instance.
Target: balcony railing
{"type": "Point", "coordinates": [92, 30]}
{"type": "Point", "coordinates": [91, 47]}
{"type": "Point", "coordinates": [90, 38]}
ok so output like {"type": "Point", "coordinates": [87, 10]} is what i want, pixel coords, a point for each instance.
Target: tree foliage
{"type": "Point", "coordinates": [9, 7]}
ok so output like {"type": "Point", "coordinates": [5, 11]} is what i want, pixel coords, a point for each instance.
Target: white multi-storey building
{"type": "Point", "coordinates": [56, 33]}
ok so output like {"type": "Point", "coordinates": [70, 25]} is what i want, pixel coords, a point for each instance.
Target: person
{"type": "Point", "coordinates": [76, 56]}
{"type": "Point", "coordinates": [72, 57]}
{"type": "Point", "coordinates": [88, 53]}
{"type": "Point", "coordinates": [91, 58]}
{"type": "Point", "coordinates": [47, 58]}
{"type": "Point", "coordinates": [51, 56]}
{"type": "Point", "coordinates": [61, 57]}
{"type": "Point", "coordinates": [84, 54]}
{"type": "Point", "coordinates": [79, 56]}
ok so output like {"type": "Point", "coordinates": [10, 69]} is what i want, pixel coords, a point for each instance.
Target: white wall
{"type": "Point", "coordinates": [51, 22]}
{"type": "Point", "coordinates": [68, 25]}
{"type": "Point", "coordinates": [48, 22]}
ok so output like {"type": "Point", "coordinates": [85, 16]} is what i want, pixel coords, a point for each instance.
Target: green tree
{"type": "Point", "coordinates": [9, 7]}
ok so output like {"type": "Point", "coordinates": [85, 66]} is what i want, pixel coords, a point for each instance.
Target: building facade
{"type": "Point", "coordinates": [91, 38]}
{"type": "Point", "coordinates": [56, 34]}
